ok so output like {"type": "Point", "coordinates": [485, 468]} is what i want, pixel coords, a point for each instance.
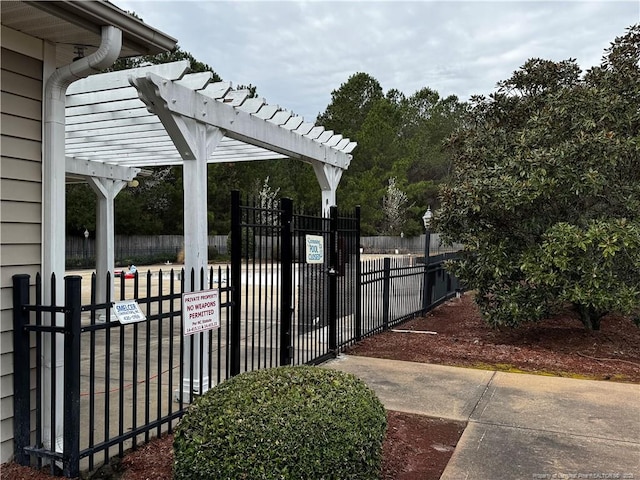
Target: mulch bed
{"type": "Point", "coordinates": [415, 448]}
{"type": "Point", "coordinates": [559, 345]}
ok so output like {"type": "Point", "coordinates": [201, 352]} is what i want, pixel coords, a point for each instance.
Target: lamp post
{"type": "Point", "coordinates": [426, 219]}
{"type": "Point", "coordinates": [86, 240]}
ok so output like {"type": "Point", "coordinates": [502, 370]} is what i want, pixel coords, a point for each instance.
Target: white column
{"type": "Point", "coordinates": [328, 177]}
{"type": "Point", "coordinates": [106, 190]}
{"type": "Point", "coordinates": [205, 138]}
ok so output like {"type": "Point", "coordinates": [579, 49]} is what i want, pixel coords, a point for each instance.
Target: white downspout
{"type": "Point", "coordinates": [53, 210]}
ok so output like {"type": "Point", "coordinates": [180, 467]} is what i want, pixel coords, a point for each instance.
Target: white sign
{"type": "Point", "coordinates": [128, 311]}
{"type": "Point", "coordinates": [200, 311]}
{"type": "Point", "coordinates": [315, 248]}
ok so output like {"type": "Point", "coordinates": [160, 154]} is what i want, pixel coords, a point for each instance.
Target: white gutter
{"type": "Point", "coordinates": [53, 208]}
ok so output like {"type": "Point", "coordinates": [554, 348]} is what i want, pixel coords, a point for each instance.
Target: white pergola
{"type": "Point", "coordinates": [120, 122]}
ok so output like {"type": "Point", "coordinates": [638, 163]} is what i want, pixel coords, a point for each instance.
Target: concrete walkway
{"type": "Point", "coordinates": [519, 426]}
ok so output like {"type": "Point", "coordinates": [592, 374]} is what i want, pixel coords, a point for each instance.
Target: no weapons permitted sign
{"type": "Point", "coordinates": [200, 311]}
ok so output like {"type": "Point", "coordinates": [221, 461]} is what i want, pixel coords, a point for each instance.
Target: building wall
{"type": "Point", "coordinates": [20, 195]}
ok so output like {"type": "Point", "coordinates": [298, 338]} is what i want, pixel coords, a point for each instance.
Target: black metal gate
{"type": "Point", "coordinates": [286, 307]}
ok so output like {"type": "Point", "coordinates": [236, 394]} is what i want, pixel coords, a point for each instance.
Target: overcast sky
{"type": "Point", "coordinates": [297, 52]}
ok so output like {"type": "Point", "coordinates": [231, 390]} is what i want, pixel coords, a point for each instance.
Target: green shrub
{"type": "Point", "coordinates": [284, 423]}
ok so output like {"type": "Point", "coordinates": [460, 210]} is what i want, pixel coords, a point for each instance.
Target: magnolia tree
{"type": "Point", "coordinates": [546, 190]}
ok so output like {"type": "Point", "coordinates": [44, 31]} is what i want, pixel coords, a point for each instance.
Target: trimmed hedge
{"type": "Point", "coordinates": [283, 423]}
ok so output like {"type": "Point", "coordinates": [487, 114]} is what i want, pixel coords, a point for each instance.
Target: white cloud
{"type": "Point", "coordinates": [297, 52]}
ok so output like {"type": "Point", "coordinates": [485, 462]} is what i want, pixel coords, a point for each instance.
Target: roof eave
{"type": "Point", "coordinates": [137, 35]}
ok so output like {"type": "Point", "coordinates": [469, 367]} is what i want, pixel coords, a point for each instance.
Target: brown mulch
{"type": "Point", "coordinates": [419, 447]}
{"type": "Point", "coordinates": [558, 346]}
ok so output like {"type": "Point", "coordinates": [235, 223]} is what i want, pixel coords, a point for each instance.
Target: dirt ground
{"type": "Point", "coordinates": [453, 334]}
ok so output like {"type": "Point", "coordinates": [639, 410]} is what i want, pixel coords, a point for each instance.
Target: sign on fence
{"type": "Point", "coordinates": [314, 249]}
{"type": "Point", "coordinates": [200, 311]}
{"type": "Point", "coordinates": [128, 311]}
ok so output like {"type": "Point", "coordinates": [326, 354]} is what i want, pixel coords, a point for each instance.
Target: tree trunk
{"type": "Point", "coordinates": [589, 316]}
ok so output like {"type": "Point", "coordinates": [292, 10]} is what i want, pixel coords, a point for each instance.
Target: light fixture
{"type": "Point", "coordinates": [426, 218]}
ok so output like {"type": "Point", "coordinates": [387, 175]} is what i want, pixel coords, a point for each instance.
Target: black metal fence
{"type": "Point", "coordinates": [118, 384]}
{"type": "Point", "coordinates": [101, 386]}
{"type": "Point", "coordinates": [396, 289]}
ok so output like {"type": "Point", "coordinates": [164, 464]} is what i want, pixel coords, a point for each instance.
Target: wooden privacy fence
{"type": "Point", "coordinates": [405, 245]}
{"type": "Point", "coordinates": [127, 246]}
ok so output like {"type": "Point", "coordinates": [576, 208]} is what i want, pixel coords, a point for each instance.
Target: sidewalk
{"type": "Point", "coordinates": [519, 426]}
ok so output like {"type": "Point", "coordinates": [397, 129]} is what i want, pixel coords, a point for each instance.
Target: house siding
{"type": "Point", "coordinates": [20, 205]}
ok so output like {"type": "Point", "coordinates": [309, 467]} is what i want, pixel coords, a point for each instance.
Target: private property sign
{"type": "Point", "coordinates": [200, 311]}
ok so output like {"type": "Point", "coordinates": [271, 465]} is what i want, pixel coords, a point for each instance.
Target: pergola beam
{"type": "Point", "coordinates": [160, 94]}
{"type": "Point", "coordinates": [120, 79]}
{"type": "Point", "coordinates": [91, 168]}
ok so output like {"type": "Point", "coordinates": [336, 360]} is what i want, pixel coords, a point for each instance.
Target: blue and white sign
{"type": "Point", "coordinates": [315, 249]}
{"type": "Point", "coordinates": [128, 311]}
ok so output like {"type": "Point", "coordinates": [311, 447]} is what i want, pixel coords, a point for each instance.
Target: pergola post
{"type": "Point", "coordinates": [196, 243]}
{"type": "Point", "coordinates": [106, 190]}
